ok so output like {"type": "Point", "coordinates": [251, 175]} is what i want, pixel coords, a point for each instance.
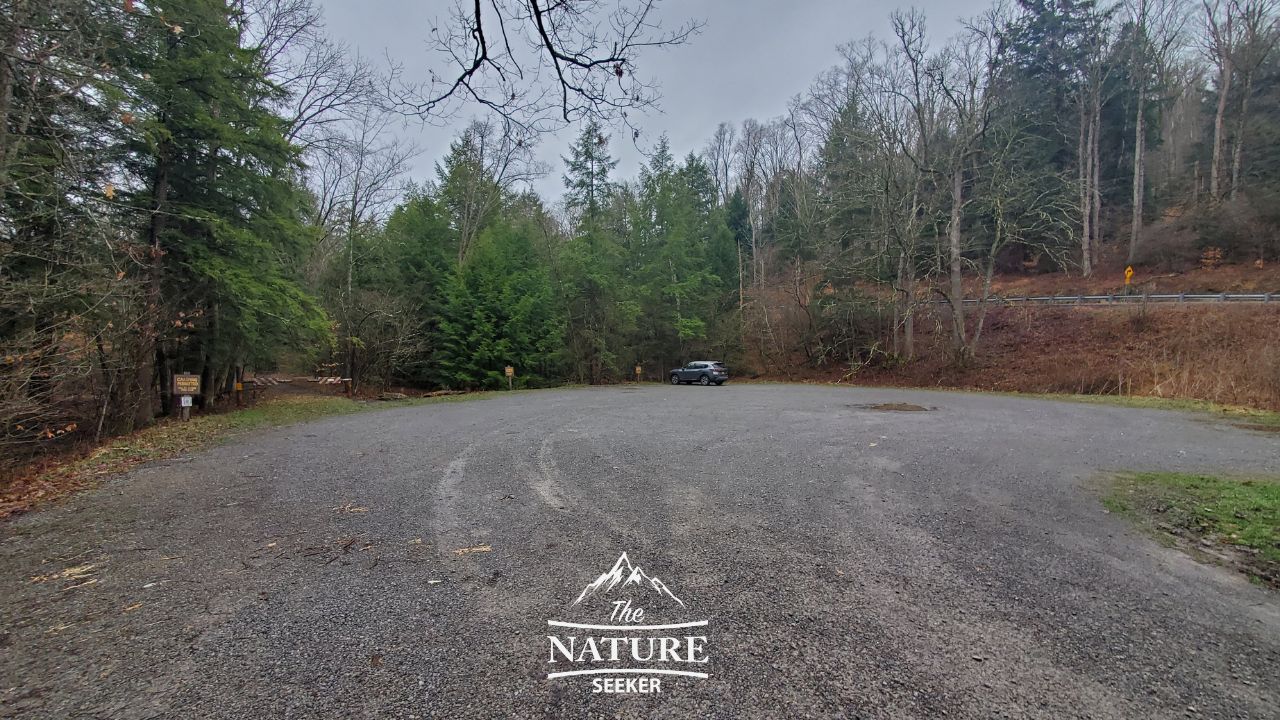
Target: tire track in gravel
{"type": "Point", "coordinates": [449, 531]}
{"type": "Point", "coordinates": [547, 483]}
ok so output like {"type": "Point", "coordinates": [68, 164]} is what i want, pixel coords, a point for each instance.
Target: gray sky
{"type": "Point", "coordinates": [750, 59]}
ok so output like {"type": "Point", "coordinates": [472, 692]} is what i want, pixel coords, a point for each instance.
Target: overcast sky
{"type": "Point", "coordinates": [750, 59]}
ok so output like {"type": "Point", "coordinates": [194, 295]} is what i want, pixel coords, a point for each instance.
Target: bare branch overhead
{"type": "Point", "coordinates": [541, 64]}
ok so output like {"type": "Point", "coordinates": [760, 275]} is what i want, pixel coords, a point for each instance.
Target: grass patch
{"type": "Point", "coordinates": [1240, 516]}
{"type": "Point", "coordinates": [1251, 417]}
{"type": "Point", "coordinates": [57, 477]}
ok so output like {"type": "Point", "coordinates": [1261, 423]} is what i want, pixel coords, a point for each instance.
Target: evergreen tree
{"type": "Point", "coordinates": [468, 190]}
{"type": "Point", "coordinates": [599, 311]}
{"type": "Point", "coordinates": [586, 182]}
{"type": "Point", "coordinates": [674, 229]}
{"type": "Point", "coordinates": [499, 309]}
{"type": "Point", "coordinates": [224, 223]}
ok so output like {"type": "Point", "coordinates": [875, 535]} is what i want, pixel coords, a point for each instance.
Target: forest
{"type": "Point", "coordinates": [217, 187]}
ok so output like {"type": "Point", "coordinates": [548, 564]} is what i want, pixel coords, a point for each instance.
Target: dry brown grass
{"type": "Point", "coordinates": [1224, 355]}
{"type": "Point", "coordinates": [1242, 278]}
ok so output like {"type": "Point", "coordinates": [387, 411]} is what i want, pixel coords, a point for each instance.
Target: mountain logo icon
{"type": "Point", "coordinates": [624, 574]}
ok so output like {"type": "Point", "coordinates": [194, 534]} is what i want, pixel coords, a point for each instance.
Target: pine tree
{"type": "Point", "coordinates": [599, 310]}
{"type": "Point", "coordinates": [468, 190]}
{"type": "Point", "coordinates": [499, 310]}
{"type": "Point", "coordinates": [587, 186]}
{"type": "Point", "coordinates": [223, 225]}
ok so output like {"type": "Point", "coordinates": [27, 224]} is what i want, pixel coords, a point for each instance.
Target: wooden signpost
{"type": "Point", "coordinates": [511, 372]}
{"type": "Point", "coordinates": [186, 386]}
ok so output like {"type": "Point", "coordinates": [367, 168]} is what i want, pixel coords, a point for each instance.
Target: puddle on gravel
{"type": "Point", "coordinates": [894, 407]}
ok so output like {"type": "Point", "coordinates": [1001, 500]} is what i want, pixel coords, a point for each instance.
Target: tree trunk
{"type": "Point", "coordinates": [149, 351]}
{"type": "Point", "coordinates": [1138, 64]}
{"type": "Point", "coordinates": [10, 54]}
{"type": "Point", "coordinates": [1139, 176]}
{"type": "Point", "coordinates": [755, 276]}
{"type": "Point", "coordinates": [348, 303]}
{"type": "Point", "coordinates": [1237, 155]}
{"type": "Point", "coordinates": [899, 303]}
{"type": "Point", "coordinates": [1095, 161]}
{"type": "Point", "coordinates": [909, 321]}
{"type": "Point", "coordinates": [903, 325]}
{"type": "Point", "coordinates": [207, 390]}
{"type": "Point", "coordinates": [164, 378]}
{"type": "Point", "coordinates": [953, 247]}
{"type": "Point", "coordinates": [988, 273]}
{"type": "Point", "coordinates": [896, 321]}
{"type": "Point", "coordinates": [1219, 123]}
{"type": "Point", "coordinates": [742, 295]}
{"type": "Point", "coordinates": [1195, 183]}
{"type": "Point", "coordinates": [1086, 197]}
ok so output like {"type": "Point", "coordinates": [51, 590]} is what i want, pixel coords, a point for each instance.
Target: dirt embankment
{"type": "Point", "coordinates": [1246, 278]}
{"type": "Point", "coordinates": [1225, 354]}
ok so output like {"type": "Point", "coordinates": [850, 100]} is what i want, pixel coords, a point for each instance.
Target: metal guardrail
{"type": "Point", "coordinates": [1132, 299]}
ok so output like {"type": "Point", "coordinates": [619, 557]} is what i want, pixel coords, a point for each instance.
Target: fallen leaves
{"type": "Point", "coordinates": [76, 572]}
{"type": "Point", "coordinates": [93, 581]}
{"type": "Point", "coordinates": [60, 474]}
{"type": "Point", "coordinates": [476, 549]}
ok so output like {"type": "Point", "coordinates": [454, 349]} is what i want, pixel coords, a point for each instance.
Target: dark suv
{"type": "Point", "coordinates": [703, 372]}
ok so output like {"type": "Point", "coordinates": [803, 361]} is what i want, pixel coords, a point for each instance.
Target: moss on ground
{"type": "Point", "coordinates": [1237, 514]}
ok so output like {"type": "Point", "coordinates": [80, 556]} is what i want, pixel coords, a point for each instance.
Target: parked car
{"type": "Point", "coordinates": [703, 372]}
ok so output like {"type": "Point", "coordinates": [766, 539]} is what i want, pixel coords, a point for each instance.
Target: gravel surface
{"type": "Point", "coordinates": [850, 562]}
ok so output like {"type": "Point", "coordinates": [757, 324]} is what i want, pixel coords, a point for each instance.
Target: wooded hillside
{"type": "Point", "coordinates": [215, 186]}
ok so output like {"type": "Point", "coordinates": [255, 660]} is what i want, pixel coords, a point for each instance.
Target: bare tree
{"type": "Point", "coordinates": [898, 119]}
{"type": "Point", "coordinates": [500, 52]}
{"type": "Point", "coordinates": [277, 28]}
{"type": "Point", "coordinates": [1090, 99]}
{"type": "Point", "coordinates": [719, 156]}
{"type": "Point", "coordinates": [1024, 201]}
{"type": "Point", "coordinates": [748, 153]}
{"type": "Point", "coordinates": [327, 86]}
{"type": "Point", "coordinates": [357, 183]}
{"type": "Point", "coordinates": [1258, 35]}
{"type": "Point", "coordinates": [488, 161]}
{"type": "Point", "coordinates": [1157, 33]}
{"type": "Point", "coordinates": [1221, 38]}
{"type": "Point", "coordinates": [963, 76]}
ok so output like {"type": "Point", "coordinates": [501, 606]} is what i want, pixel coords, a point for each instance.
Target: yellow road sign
{"type": "Point", "coordinates": [1128, 275]}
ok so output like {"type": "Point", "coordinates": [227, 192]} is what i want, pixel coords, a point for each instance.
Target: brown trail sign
{"type": "Point", "coordinates": [186, 385]}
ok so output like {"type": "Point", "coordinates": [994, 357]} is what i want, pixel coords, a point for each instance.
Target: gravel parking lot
{"type": "Point", "coordinates": [856, 553]}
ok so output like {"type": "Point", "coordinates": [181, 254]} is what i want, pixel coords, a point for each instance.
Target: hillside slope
{"type": "Point", "coordinates": [1228, 355]}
